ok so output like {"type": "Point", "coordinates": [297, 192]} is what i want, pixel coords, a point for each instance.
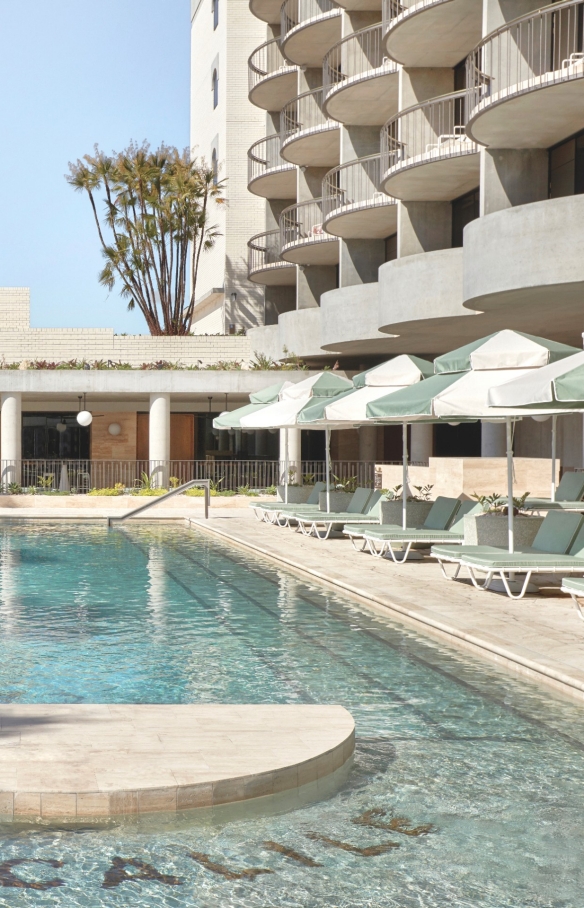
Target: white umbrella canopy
{"type": "Point", "coordinates": [555, 387]}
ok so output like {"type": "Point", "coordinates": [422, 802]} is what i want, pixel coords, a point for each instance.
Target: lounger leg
{"type": "Point", "coordinates": [523, 589]}
{"type": "Point", "coordinates": [354, 544]}
{"type": "Point", "coordinates": [329, 527]}
{"type": "Point", "coordinates": [443, 569]}
{"type": "Point", "coordinates": [404, 556]}
{"type": "Point", "coordinates": [259, 514]}
{"type": "Point", "coordinates": [377, 553]}
{"type": "Point", "coordinates": [476, 583]}
{"type": "Point", "coordinates": [576, 599]}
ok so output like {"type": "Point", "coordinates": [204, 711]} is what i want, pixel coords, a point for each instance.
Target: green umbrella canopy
{"type": "Point", "coordinates": [315, 408]}
{"type": "Point", "coordinates": [230, 419]}
{"type": "Point", "coordinates": [503, 350]}
{"type": "Point", "coordinates": [413, 401]}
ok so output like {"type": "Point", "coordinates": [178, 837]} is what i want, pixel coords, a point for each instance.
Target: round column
{"type": "Point", "coordinates": [159, 439]}
{"type": "Point", "coordinates": [493, 442]}
{"type": "Point", "coordinates": [11, 437]}
{"type": "Point", "coordinates": [368, 444]}
{"type": "Point", "coordinates": [421, 442]}
{"type": "Point", "coordinates": [294, 454]}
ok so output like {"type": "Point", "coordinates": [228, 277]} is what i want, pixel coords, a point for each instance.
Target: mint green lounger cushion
{"type": "Point", "coordinates": [441, 513]}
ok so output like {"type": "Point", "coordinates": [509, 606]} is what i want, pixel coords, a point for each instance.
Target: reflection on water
{"type": "Point", "coordinates": [467, 787]}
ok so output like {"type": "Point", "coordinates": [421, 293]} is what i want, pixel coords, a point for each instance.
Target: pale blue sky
{"type": "Point", "coordinates": [73, 73]}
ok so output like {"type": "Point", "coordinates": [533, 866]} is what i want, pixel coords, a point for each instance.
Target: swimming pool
{"type": "Point", "coordinates": [487, 770]}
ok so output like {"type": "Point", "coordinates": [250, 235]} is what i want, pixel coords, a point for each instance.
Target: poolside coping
{"type": "Point", "coordinates": [85, 761]}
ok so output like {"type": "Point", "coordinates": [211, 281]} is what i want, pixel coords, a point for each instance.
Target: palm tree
{"type": "Point", "coordinates": [154, 228]}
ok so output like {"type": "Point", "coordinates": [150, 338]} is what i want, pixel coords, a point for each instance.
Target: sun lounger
{"type": "Point", "coordinates": [267, 510]}
{"type": "Point", "coordinates": [363, 507]}
{"type": "Point", "coordinates": [568, 496]}
{"type": "Point", "coordinates": [444, 523]}
{"type": "Point", "coordinates": [557, 548]}
{"type": "Point", "coordinates": [575, 587]}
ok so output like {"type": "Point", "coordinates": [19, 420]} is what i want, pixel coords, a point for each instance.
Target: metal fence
{"type": "Point", "coordinates": [305, 113]}
{"type": "Point", "coordinates": [392, 9]}
{"type": "Point", "coordinates": [428, 131]}
{"type": "Point", "coordinates": [81, 476]}
{"type": "Point", "coordinates": [354, 185]}
{"type": "Point", "coordinates": [303, 223]}
{"type": "Point", "coordinates": [263, 250]}
{"type": "Point", "coordinates": [264, 156]}
{"type": "Point", "coordinates": [535, 50]}
{"type": "Point", "coordinates": [267, 60]}
{"type": "Point", "coordinates": [295, 12]}
{"type": "Point", "coordinates": [355, 57]}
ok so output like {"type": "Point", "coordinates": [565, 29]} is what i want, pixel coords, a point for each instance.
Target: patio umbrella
{"type": "Point", "coordinates": [460, 388]}
{"type": "Point", "coordinates": [259, 400]}
{"type": "Point", "coordinates": [284, 414]}
{"type": "Point", "coordinates": [350, 409]}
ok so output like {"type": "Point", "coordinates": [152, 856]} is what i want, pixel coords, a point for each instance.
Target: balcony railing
{"type": "Point", "coordinates": [533, 51]}
{"type": "Point", "coordinates": [83, 475]}
{"type": "Point", "coordinates": [305, 114]}
{"type": "Point", "coordinates": [267, 60]}
{"type": "Point", "coordinates": [301, 12]}
{"type": "Point", "coordinates": [391, 10]}
{"type": "Point", "coordinates": [353, 186]}
{"type": "Point", "coordinates": [264, 156]}
{"type": "Point", "coordinates": [429, 131]}
{"type": "Point", "coordinates": [264, 252]}
{"type": "Point", "coordinates": [359, 56]}
{"type": "Point", "coordinates": [303, 223]}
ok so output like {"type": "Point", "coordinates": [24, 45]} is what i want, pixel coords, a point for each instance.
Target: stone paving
{"type": "Point", "coordinates": [83, 761]}
{"type": "Point", "coordinates": [541, 636]}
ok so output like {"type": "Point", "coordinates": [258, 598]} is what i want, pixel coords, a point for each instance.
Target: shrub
{"type": "Point", "coordinates": [107, 492]}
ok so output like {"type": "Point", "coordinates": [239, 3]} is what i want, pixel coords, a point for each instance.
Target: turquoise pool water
{"type": "Point", "coordinates": [494, 766]}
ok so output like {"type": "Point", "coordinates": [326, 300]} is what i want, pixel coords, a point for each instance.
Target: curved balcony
{"type": "Point", "coordinates": [360, 83]}
{"type": "Point", "coordinates": [360, 5]}
{"type": "Point", "coordinates": [431, 32]}
{"type": "Point", "coordinates": [349, 319]}
{"type": "Point", "coordinates": [267, 174]}
{"type": "Point", "coordinates": [309, 138]}
{"type": "Point", "coordinates": [266, 10]}
{"type": "Point", "coordinates": [426, 154]}
{"type": "Point", "coordinates": [272, 78]}
{"type": "Point", "coordinates": [309, 28]}
{"type": "Point", "coordinates": [264, 265]}
{"type": "Point", "coordinates": [527, 80]}
{"type": "Point", "coordinates": [302, 236]}
{"type": "Point", "coordinates": [354, 205]}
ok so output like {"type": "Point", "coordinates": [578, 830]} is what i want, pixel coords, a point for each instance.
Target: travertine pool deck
{"type": "Point", "coordinates": [83, 761]}
{"type": "Point", "coordinates": [540, 637]}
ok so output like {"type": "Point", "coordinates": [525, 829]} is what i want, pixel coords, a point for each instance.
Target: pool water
{"type": "Point", "coordinates": [487, 771]}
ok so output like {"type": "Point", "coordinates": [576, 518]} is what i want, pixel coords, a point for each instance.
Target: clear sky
{"type": "Point", "coordinates": [73, 73]}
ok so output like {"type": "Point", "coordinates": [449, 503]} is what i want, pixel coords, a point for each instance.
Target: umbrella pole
{"type": "Point", "coordinates": [327, 455]}
{"type": "Point", "coordinates": [509, 426]}
{"type": "Point", "coordinates": [404, 475]}
{"type": "Point", "coordinates": [554, 428]}
{"type": "Point", "coordinates": [286, 466]}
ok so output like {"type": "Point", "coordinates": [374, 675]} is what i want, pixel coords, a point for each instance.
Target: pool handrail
{"type": "Point", "coordinates": [150, 504]}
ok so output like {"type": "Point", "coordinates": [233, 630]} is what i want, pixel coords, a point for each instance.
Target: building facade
{"type": "Point", "coordinates": [423, 170]}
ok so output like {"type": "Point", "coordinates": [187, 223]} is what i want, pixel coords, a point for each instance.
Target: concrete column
{"type": "Point", "coordinates": [423, 227]}
{"type": "Point", "coordinates": [493, 440]}
{"type": "Point", "coordinates": [11, 437]}
{"type": "Point", "coordinates": [368, 444]}
{"type": "Point", "coordinates": [159, 439]}
{"type": "Point", "coordinates": [261, 442]}
{"type": "Point", "coordinates": [294, 453]}
{"type": "Point", "coordinates": [421, 442]}
{"type": "Point", "coordinates": [512, 176]}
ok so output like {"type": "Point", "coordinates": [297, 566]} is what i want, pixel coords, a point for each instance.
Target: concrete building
{"type": "Point", "coordinates": [423, 170]}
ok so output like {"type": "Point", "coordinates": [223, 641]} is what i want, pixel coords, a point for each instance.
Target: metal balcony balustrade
{"type": "Point", "coordinates": [301, 12]}
{"type": "Point", "coordinates": [305, 114]}
{"type": "Point", "coordinates": [358, 56]}
{"type": "Point", "coordinates": [303, 223]}
{"type": "Point", "coordinates": [267, 60]}
{"type": "Point", "coordinates": [534, 51]}
{"type": "Point", "coordinates": [426, 132]}
{"type": "Point", "coordinates": [264, 156]}
{"type": "Point", "coordinates": [354, 186]}
{"type": "Point", "coordinates": [264, 251]}
{"type": "Point", "coordinates": [392, 10]}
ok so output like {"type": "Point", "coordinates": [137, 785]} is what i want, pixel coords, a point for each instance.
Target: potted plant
{"type": "Point", "coordinates": [297, 494]}
{"type": "Point", "coordinates": [418, 505]}
{"type": "Point", "coordinates": [492, 526]}
{"type": "Point", "coordinates": [339, 496]}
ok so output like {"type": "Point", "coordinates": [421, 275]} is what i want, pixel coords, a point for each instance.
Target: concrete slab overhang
{"type": "Point", "coordinates": [349, 321]}
{"type": "Point", "coordinates": [434, 33]}
{"type": "Point", "coordinates": [319, 146]}
{"type": "Point", "coordinates": [275, 183]}
{"type": "Point", "coordinates": [318, 250]}
{"type": "Point", "coordinates": [307, 42]}
{"type": "Point", "coordinates": [367, 99]}
{"type": "Point", "coordinates": [521, 263]}
{"type": "Point", "coordinates": [274, 274]}
{"type": "Point", "coordinates": [535, 113]}
{"type": "Point", "coordinates": [441, 175]}
{"type": "Point", "coordinates": [363, 220]}
{"type": "Point", "coordinates": [266, 10]}
{"type": "Point", "coordinates": [275, 89]}
{"type": "Point", "coordinates": [300, 332]}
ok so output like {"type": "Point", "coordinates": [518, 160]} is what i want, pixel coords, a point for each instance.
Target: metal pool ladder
{"type": "Point", "coordinates": [150, 504]}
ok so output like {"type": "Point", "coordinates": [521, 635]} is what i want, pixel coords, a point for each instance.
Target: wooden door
{"type": "Point", "coordinates": [182, 436]}
{"type": "Point", "coordinates": [142, 441]}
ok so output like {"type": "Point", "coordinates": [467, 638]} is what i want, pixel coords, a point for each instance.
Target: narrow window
{"type": "Point", "coordinates": [215, 4]}
{"type": "Point", "coordinates": [215, 87]}
{"type": "Point", "coordinates": [214, 164]}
